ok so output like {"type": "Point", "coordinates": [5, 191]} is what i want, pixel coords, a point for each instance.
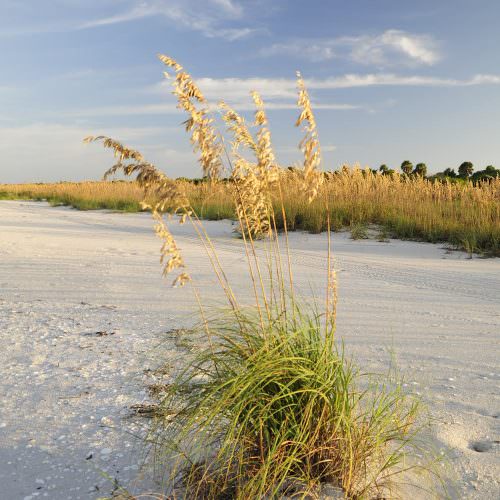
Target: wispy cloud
{"type": "Point", "coordinates": [209, 17]}
{"type": "Point", "coordinates": [141, 11]}
{"type": "Point", "coordinates": [238, 89]}
{"type": "Point", "coordinates": [230, 6]}
{"type": "Point", "coordinates": [392, 47]}
{"type": "Point", "coordinates": [390, 79]}
{"type": "Point", "coordinates": [167, 109]}
{"type": "Point", "coordinates": [279, 94]}
{"type": "Point", "coordinates": [380, 50]}
{"type": "Point", "coordinates": [225, 19]}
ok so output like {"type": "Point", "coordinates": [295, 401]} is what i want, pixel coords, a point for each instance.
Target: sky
{"type": "Point", "coordinates": [390, 80]}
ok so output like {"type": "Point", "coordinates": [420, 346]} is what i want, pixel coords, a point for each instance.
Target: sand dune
{"type": "Point", "coordinates": [83, 308]}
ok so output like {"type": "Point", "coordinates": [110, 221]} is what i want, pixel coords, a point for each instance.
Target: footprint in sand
{"type": "Point", "coordinates": [483, 446]}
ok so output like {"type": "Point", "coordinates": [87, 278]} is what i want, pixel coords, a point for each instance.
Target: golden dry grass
{"type": "Point", "coordinates": [82, 195]}
{"type": "Point", "coordinates": [465, 215]}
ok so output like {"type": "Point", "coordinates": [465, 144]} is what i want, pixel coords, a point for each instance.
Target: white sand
{"type": "Point", "coordinates": [65, 392]}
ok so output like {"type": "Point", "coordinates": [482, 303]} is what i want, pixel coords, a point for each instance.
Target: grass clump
{"type": "Point", "coordinates": [280, 413]}
{"type": "Point", "coordinates": [265, 402]}
{"type": "Point", "coordinates": [359, 231]}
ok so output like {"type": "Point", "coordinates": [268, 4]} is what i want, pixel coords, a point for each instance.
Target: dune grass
{"type": "Point", "coordinates": [465, 215]}
{"type": "Point", "coordinates": [266, 404]}
{"type": "Point", "coordinates": [281, 413]}
{"type": "Point", "coordinates": [115, 195]}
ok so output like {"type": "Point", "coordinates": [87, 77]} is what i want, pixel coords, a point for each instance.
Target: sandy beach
{"type": "Point", "coordinates": [83, 309]}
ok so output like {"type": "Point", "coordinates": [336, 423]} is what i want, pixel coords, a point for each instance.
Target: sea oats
{"type": "Point", "coordinates": [252, 181]}
{"type": "Point", "coordinates": [160, 194]}
{"type": "Point", "coordinates": [309, 145]}
{"type": "Point", "coordinates": [204, 137]}
{"type": "Point", "coordinates": [237, 126]}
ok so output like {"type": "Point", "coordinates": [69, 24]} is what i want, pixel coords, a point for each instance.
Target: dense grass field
{"type": "Point", "coordinates": [465, 215]}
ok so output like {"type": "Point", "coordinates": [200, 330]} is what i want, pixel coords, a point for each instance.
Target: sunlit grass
{"type": "Point", "coordinates": [465, 215]}
{"type": "Point", "coordinates": [281, 412]}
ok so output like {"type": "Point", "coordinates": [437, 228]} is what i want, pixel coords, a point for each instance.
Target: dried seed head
{"type": "Point", "coordinates": [203, 135]}
{"type": "Point", "coordinates": [237, 126]}
{"type": "Point", "coordinates": [309, 145]}
{"type": "Point", "coordinates": [120, 151]}
{"type": "Point", "coordinates": [160, 194]}
{"type": "Point", "coordinates": [252, 181]}
{"type": "Point", "coordinates": [333, 296]}
{"type": "Point", "coordinates": [253, 204]}
{"type": "Point", "coordinates": [170, 255]}
{"type": "Point", "coordinates": [168, 61]}
{"type": "Point", "coordinates": [265, 154]}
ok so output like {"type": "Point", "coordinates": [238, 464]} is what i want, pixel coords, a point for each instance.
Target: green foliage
{"type": "Point", "coordinates": [383, 235]}
{"type": "Point", "coordinates": [465, 169]}
{"type": "Point", "coordinates": [385, 170]}
{"type": "Point", "coordinates": [490, 172]}
{"type": "Point", "coordinates": [450, 173]}
{"type": "Point", "coordinates": [407, 167]}
{"type": "Point", "coordinates": [279, 411]}
{"type": "Point", "coordinates": [466, 172]}
{"type": "Point", "coordinates": [9, 195]}
{"type": "Point", "coordinates": [420, 169]}
{"type": "Point", "coordinates": [359, 230]}
{"type": "Point", "coordinates": [469, 244]}
{"type": "Point", "coordinates": [118, 205]}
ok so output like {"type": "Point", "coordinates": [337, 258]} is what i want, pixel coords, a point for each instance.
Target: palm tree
{"type": "Point", "coordinates": [407, 167]}
{"type": "Point", "coordinates": [420, 169]}
{"type": "Point", "coordinates": [465, 170]}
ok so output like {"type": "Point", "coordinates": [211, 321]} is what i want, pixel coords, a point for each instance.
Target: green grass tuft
{"type": "Point", "coordinates": [281, 413]}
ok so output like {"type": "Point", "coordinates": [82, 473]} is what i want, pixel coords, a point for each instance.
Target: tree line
{"type": "Point", "coordinates": [465, 171]}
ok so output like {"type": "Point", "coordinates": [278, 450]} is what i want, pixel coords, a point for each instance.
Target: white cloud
{"type": "Point", "coordinates": [236, 89]}
{"type": "Point", "coordinates": [281, 93]}
{"type": "Point", "coordinates": [167, 109]}
{"type": "Point", "coordinates": [390, 79]}
{"type": "Point", "coordinates": [210, 17]}
{"type": "Point", "coordinates": [380, 50]}
{"type": "Point", "coordinates": [286, 87]}
{"type": "Point", "coordinates": [143, 10]}
{"type": "Point", "coordinates": [233, 89]}
{"type": "Point", "coordinates": [230, 6]}
{"type": "Point", "coordinates": [484, 80]}
{"type": "Point", "coordinates": [392, 47]}
{"type": "Point", "coordinates": [278, 93]}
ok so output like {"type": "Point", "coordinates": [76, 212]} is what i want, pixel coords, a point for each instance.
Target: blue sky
{"type": "Point", "coordinates": [390, 79]}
